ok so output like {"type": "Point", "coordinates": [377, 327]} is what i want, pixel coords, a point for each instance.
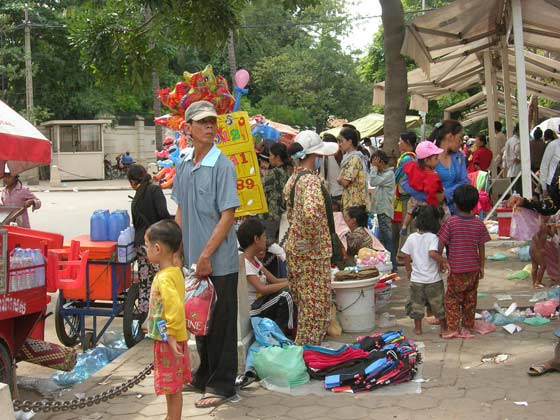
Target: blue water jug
{"type": "Point", "coordinates": [116, 221]}
{"type": "Point", "coordinates": [126, 218]}
{"type": "Point", "coordinates": [98, 226]}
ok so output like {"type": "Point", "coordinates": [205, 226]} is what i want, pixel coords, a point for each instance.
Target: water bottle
{"type": "Point", "coordinates": [15, 276]}
{"type": "Point", "coordinates": [30, 272]}
{"type": "Point", "coordinates": [126, 218]}
{"type": "Point", "coordinates": [115, 226]}
{"type": "Point", "coordinates": [122, 242]}
{"type": "Point", "coordinates": [39, 259]}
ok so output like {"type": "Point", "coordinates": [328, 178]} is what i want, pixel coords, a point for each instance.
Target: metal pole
{"type": "Point", "coordinates": [507, 90]}
{"type": "Point", "coordinates": [28, 70]}
{"type": "Point", "coordinates": [522, 98]}
{"type": "Point", "coordinates": [490, 104]}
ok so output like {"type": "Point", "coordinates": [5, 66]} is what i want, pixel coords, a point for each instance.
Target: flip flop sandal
{"type": "Point", "coordinates": [465, 334]}
{"type": "Point", "coordinates": [220, 399]}
{"type": "Point", "coordinates": [538, 370]}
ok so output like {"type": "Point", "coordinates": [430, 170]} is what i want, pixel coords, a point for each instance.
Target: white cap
{"type": "Point", "coordinates": [313, 144]}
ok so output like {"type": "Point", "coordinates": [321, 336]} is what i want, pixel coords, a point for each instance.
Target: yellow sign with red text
{"type": "Point", "coordinates": [234, 139]}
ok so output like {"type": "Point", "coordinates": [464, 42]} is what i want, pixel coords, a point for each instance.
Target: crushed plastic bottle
{"type": "Point", "coordinates": [92, 360]}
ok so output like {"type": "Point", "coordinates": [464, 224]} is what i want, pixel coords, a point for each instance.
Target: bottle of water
{"type": "Point", "coordinates": [15, 276]}
{"type": "Point", "coordinates": [131, 244]}
{"type": "Point", "coordinates": [39, 259]}
{"type": "Point", "coordinates": [30, 272]}
{"type": "Point", "coordinates": [122, 243]}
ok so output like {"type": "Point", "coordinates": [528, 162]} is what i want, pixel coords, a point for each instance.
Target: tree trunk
{"type": "Point", "coordinates": [231, 59]}
{"type": "Point", "coordinates": [396, 84]}
{"type": "Point", "coordinates": [157, 109]}
{"type": "Point", "coordinates": [155, 86]}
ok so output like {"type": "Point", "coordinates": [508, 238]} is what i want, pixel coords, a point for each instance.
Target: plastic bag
{"type": "Point", "coordinates": [547, 307]}
{"type": "Point", "coordinates": [536, 320]}
{"type": "Point", "coordinates": [524, 224]}
{"type": "Point", "coordinates": [334, 330]}
{"type": "Point", "coordinates": [281, 364]}
{"type": "Point", "coordinates": [267, 333]}
{"type": "Point", "coordinates": [200, 298]}
{"type": "Point", "coordinates": [523, 253]}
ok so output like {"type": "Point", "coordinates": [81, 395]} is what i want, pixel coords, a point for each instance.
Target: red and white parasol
{"type": "Point", "coordinates": [22, 146]}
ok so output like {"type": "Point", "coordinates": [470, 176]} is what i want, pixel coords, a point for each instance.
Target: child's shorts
{"type": "Point", "coordinates": [413, 203]}
{"type": "Point", "coordinates": [426, 294]}
{"type": "Point", "coordinates": [170, 373]}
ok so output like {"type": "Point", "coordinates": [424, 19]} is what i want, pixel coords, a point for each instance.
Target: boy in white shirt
{"type": "Point", "coordinates": [423, 267]}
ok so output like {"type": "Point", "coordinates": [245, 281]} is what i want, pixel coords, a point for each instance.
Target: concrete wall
{"type": "Point", "coordinates": [139, 140]}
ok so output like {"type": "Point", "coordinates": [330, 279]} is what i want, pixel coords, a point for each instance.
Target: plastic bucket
{"type": "Point", "coordinates": [355, 302]}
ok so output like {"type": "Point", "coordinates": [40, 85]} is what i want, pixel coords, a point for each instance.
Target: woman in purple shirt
{"type": "Point", "coordinates": [15, 194]}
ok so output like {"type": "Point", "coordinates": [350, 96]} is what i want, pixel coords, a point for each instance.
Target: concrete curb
{"type": "Point", "coordinates": [6, 402]}
{"type": "Point", "coordinates": [79, 189]}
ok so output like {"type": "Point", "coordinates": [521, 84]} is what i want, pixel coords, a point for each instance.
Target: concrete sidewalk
{"type": "Point", "coordinates": [458, 385]}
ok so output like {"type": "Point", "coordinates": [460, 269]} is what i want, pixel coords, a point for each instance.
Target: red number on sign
{"type": "Point", "coordinates": [249, 184]}
{"type": "Point", "coordinates": [243, 157]}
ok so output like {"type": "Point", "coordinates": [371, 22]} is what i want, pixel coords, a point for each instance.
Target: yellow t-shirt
{"type": "Point", "coordinates": [167, 301]}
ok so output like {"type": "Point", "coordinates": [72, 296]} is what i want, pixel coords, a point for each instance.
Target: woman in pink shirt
{"type": "Point", "coordinates": [15, 194]}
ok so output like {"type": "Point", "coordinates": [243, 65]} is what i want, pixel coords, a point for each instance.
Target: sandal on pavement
{"type": "Point", "coordinates": [243, 381]}
{"type": "Point", "coordinates": [539, 370]}
{"type": "Point", "coordinates": [205, 401]}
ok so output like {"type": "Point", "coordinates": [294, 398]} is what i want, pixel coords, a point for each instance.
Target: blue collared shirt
{"type": "Point", "coordinates": [203, 191]}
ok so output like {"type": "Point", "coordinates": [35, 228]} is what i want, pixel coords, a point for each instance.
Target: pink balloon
{"type": "Point", "coordinates": [241, 78]}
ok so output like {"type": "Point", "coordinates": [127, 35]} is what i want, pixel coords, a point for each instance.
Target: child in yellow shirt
{"type": "Point", "coordinates": [166, 317]}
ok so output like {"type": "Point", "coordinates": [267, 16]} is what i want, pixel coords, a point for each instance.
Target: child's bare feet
{"type": "Point", "coordinates": [432, 320]}
{"type": "Point", "coordinates": [538, 285]}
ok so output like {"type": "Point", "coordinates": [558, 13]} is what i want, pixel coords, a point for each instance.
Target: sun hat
{"type": "Point", "coordinates": [426, 149]}
{"type": "Point", "coordinates": [313, 144]}
{"type": "Point", "coordinates": [199, 110]}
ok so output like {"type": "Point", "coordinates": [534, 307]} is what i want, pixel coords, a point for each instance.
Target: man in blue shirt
{"type": "Point", "coordinates": [205, 190]}
{"type": "Point", "coordinates": [127, 159]}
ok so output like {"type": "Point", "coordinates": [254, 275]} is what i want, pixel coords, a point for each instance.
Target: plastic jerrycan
{"type": "Point", "coordinates": [99, 226]}
{"type": "Point", "coordinates": [115, 226]}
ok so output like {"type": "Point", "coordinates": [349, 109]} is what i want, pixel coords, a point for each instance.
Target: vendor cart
{"type": "Point", "coordinates": [23, 294]}
{"type": "Point", "coordinates": [84, 311]}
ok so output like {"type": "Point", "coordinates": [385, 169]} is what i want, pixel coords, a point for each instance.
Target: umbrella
{"type": "Point", "coordinates": [552, 123]}
{"type": "Point", "coordinates": [22, 146]}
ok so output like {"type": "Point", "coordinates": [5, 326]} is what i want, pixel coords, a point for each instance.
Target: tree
{"type": "Point", "coordinates": [396, 84]}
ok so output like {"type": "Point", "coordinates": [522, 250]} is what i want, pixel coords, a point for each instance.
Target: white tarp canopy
{"type": "Point", "coordinates": [472, 43]}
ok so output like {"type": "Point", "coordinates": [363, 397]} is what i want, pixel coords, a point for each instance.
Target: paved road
{"type": "Point", "coordinates": [69, 212]}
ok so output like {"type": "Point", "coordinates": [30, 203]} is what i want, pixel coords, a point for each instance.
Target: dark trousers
{"type": "Point", "coordinates": [218, 350]}
{"type": "Point", "coordinates": [386, 238]}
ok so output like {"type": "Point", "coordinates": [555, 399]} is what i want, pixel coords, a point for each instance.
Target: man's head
{"type": "Point", "coordinates": [201, 122]}
{"type": "Point", "coordinates": [497, 126]}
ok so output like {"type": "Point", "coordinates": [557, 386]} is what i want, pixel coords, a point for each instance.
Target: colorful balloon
{"type": "Point", "coordinates": [241, 78]}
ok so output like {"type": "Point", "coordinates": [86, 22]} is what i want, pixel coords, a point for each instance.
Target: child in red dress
{"type": "Point", "coordinates": [171, 355]}
{"type": "Point", "coordinates": [422, 177]}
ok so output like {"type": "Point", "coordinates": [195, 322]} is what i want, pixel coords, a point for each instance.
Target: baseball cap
{"type": "Point", "coordinates": [426, 149]}
{"type": "Point", "coordinates": [199, 110]}
{"type": "Point", "coordinates": [312, 143]}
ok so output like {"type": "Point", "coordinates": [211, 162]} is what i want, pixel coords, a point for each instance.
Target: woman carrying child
{"type": "Point", "coordinates": [166, 317]}
{"type": "Point", "coordinates": [422, 177]}
{"type": "Point", "coordinates": [269, 296]}
{"type": "Point", "coordinates": [424, 264]}
{"type": "Point", "coordinates": [464, 236]}
{"type": "Point", "coordinates": [451, 166]}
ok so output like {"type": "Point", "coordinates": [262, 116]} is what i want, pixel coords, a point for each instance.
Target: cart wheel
{"type": "Point", "coordinates": [6, 369]}
{"type": "Point", "coordinates": [67, 329]}
{"type": "Point", "coordinates": [133, 318]}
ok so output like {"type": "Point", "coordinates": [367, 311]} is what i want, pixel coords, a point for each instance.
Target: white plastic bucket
{"type": "Point", "coordinates": [355, 302]}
